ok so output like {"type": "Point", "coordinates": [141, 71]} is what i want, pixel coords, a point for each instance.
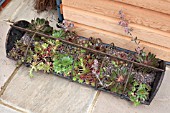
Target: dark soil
{"type": "Point", "coordinates": [14, 35]}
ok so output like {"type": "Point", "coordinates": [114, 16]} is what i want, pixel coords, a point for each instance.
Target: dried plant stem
{"type": "Point", "coordinates": [75, 58]}
{"type": "Point", "coordinates": [26, 52]}
{"type": "Point", "coordinates": [125, 24]}
{"type": "Point", "coordinates": [130, 71]}
{"type": "Point", "coordinates": [101, 83]}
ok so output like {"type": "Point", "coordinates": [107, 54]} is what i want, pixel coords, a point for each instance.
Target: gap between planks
{"type": "Point", "coordinates": [111, 25]}
{"type": "Point", "coordinates": [116, 20]}
{"type": "Point", "coordinates": [135, 14]}
{"type": "Point", "coordinates": [118, 35]}
{"type": "Point", "coordinates": [120, 41]}
{"type": "Point", "coordinates": [145, 4]}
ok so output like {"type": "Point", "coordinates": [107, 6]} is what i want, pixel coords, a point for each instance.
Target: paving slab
{"type": "Point", "coordinates": [14, 11]}
{"type": "Point", "coordinates": [107, 103]}
{"type": "Point", "coordinates": [7, 66]}
{"type": "Point", "coordinates": [10, 9]}
{"type": "Point", "coordinates": [164, 91]}
{"type": "Point", "coordinates": [48, 94]}
{"type": "Point", "coordinates": [27, 12]}
{"type": "Point", "coordinates": [5, 109]}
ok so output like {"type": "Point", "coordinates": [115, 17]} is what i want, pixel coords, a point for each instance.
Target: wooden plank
{"type": "Point", "coordinates": [121, 41]}
{"type": "Point", "coordinates": [110, 24]}
{"type": "Point", "coordinates": [134, 14]}
{"type": "Point", "coordinates": [156, 5]}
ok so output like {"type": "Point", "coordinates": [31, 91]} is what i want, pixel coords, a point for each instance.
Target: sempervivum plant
{"type": "Point", "coordinates": [96, 44]}
{"type": "Point", "coordinates": [82, 42]}
{"type": "Point", "coordinates": [63, 64]}
{"type": "Point", "coordinates": [139, 92]}
{"type": "Point", "coordinates": [59, 33]}
{"type": "Point", "coordinates": [43, 53]}
{"type": "Point", "coordinates": [86, 69]}
{"type": "Point", "coordinates": [113, 75]}
{"type": "Point", "coordinates": [149, 59]}
{"type": "Point", "coordinates": [110, 49]}
{"type": "Point", "coordinates": [41, 25]}
{"type": "Point", "coordinates": [71, 36]}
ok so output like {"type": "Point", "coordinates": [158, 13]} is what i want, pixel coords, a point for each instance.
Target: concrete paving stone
{"type": "Point", "coordinates": [48, 94]}
{"type": "Point", "coordinates": [4, 109]}
{"type": "Point", "coordinates": [164, 91]}
{"type": "Point", "coordinates": [14, 11]}
{"type": "Point", "coordinates": [107, 103]}
{"type": "Point", "coordinates": [10, 9]}
{"type": "Point", "coordinates": [7, 66]}
{"type": "Point", "coordinates": [27, 12]}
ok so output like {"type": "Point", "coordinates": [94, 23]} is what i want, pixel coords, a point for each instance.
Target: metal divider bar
{"type": "Point", "coordinates": [129, 73]}
{"type": "Point", "coordinates": [26, 52]}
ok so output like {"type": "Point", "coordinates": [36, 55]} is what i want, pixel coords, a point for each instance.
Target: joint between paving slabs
{"type": "Point", "coordinates": [12, 107]}
{"type": "Point", "coordinates": [3, 88]}
{"type": "Point", "coordinates": [90, 110]}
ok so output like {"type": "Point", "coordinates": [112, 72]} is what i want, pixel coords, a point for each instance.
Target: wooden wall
{"type": "Point", "coordinates": [150, 20]}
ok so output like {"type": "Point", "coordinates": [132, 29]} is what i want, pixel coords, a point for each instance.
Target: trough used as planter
{"type": "Point", "coordinates": [87, 61]}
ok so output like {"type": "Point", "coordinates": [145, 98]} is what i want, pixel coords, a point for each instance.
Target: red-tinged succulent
{"type": "Point", "coordinates": [148, 59]}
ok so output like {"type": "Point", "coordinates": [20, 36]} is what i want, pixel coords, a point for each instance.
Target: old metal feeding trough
{"type": "Point", "coordinates": [100, 20]}
{"type": "Point", "coordinates": [19, 28]}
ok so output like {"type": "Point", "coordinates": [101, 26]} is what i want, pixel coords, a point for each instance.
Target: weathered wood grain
{"type": "Point", "coordinates": [134, 14]}
{"type": "Point", "coordinates": [156, 5]}
{"type": "Point", "coordinates": [121, 41]}
{"type": "Point", "coordinates": [111, 25]}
